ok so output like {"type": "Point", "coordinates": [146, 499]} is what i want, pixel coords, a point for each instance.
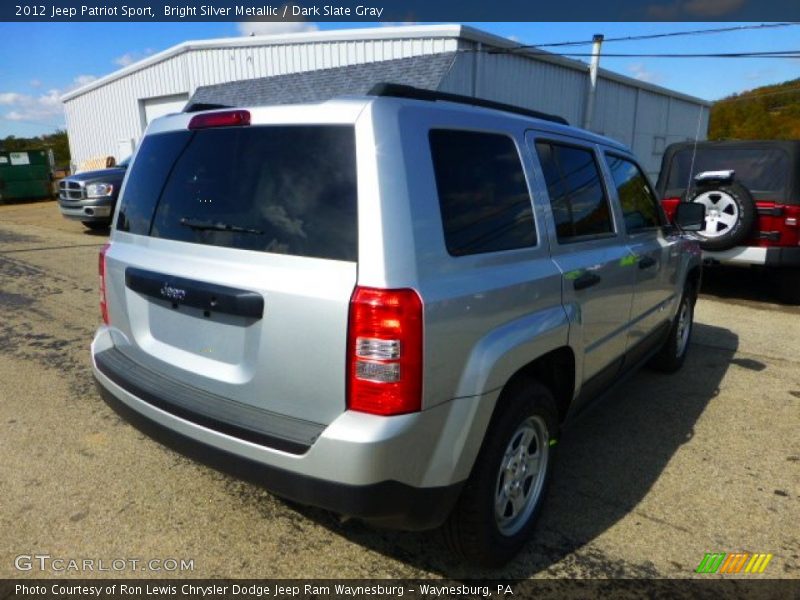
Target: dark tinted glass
{"type": "Point", "coordinates": [577, 197]}
{"type": "Point", "coordinates": [146, 180]}
{"type": "Point", "coordinates": [758, 169]}
{"type": "Point", "coordinates": [281, 189]}
{"type": "Point", "coordinates": [483, 195]}
{"type": "Point", "coordinates": [639, 204]}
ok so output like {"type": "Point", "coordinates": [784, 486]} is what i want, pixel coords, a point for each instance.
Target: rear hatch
{"type": "Point", "coordinates": [233, 261]}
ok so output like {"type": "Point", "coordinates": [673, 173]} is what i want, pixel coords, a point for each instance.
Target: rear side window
{"type": "Point", "coordinates": [483, 194]}
{"type": "Point", "coordinates": [282, 189]}
{"type": "Point", "coordinates": [758, 169]}
{"type": "Point", "coordinates": [577, 197]}
{"type": "Point", "coordinates": [146, 180]}
{"type": "Point", "coordinates": [639, 205]}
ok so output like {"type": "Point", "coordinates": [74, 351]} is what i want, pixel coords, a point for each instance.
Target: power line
{"type": "Point", "coordinates": [754, 96]}
{"type": "Point", "coordinates": [770, 54]}
{"type": "Point", "coordinates": [653, 36]}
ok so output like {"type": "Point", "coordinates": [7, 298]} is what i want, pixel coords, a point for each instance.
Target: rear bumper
{"type": "Point", "coordinates": [750, 255]}
{"type": "Point", "coordinates": [404, 472]}
{"type": "Point", "coordinates": [388, 503]}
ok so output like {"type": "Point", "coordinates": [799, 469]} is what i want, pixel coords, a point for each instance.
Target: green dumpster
{"type": "Point", "coordinates": [25, 175]}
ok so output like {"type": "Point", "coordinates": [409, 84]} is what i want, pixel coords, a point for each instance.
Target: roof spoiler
{"type": "Point", "coordinates": [200, 106]}
{"type": "Point", "coordinates": [396, 90]}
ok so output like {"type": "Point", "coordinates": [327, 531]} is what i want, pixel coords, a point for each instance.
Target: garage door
{"type": "Point", "coordinates": [163, 105]}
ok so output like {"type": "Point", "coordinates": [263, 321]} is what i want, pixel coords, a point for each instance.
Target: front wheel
{"type": "Point", "coordinates": [502, 498]}
{"type": "Point", "coordinates": [672, 354]}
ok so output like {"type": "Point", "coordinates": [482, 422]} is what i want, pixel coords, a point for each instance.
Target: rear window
{"type": "Point", "coordinates": [281, 189]}
{"type": "Point", "coordinates": [758, 169]}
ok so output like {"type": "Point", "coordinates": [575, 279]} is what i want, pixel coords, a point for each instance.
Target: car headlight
{"type": "Point", "coordinates": [99, 190]}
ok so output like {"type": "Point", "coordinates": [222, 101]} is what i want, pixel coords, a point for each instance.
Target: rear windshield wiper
{"type": "Point", "coordinates": [201, 225]}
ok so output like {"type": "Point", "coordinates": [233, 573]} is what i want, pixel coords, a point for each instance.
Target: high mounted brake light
{"type": "Point", "coordinates": [228, 118]}
{"type": "Point", "coordinates": [384, 351]}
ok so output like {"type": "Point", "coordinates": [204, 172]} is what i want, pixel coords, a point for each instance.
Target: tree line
{"type": "Point", "coordinates": [57, 141]}
{"type": "Point", "coordinates": [770, 112]}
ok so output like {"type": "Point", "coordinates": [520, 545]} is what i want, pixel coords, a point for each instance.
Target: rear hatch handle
{"type": "Point", "coordinates": [210, 297]}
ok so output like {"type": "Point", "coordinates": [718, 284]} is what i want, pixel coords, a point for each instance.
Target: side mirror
{"type": "Point", "coordinates": [690, 216]}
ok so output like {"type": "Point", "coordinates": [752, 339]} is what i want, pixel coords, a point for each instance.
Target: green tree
{"type": "Point", "coordinates": [56, 141]}
{"type": "Point", "coordinates": [771, 113]}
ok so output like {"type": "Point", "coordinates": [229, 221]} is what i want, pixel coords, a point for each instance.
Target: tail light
{"type": "Point", "coordinates": [384, 351]}
{"type": "Point", "coordinates": [670, 205]}
{"type": "Point", "coordinates": [102, 271]}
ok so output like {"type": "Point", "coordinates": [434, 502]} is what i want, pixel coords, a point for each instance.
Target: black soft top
{"type": "Point", "coordinates": [770, 169]}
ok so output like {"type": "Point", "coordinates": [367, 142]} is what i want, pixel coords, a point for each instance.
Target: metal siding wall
{"type": "Point", "coordinates": [651, 121]}
{"type": "Point", "coordinates": [631, 115]}
{"type": "Point", "coordinates": [98, 119]}
{"type": "Point", "coordinates": [532, 84]}
{"type": "Point", "coordinates": [614, 110]}
{"type": "Point", "coordinates": [458, 79]}
{"type": "Point", "coordinates": [661, 120]}
{"type": "Point", "coordinates": [683, 121]}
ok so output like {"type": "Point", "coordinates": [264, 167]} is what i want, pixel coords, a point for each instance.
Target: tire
{"type": "Point", "coordinates": [672, 354]}
{"type": "Point", "coordinates": [730, 215]}
{"type": "Point", "coordinates": [96, 225]}
{"type": "Point", "coordinates": [788, 280]}
{"type": "Point", "coordinates": [476, 530]}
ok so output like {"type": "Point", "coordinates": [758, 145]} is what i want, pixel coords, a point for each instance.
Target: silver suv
{"type": "Point", "coordinates": [387, 306]}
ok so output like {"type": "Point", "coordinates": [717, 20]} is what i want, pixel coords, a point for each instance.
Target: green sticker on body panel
{"type": "Point", "coordinates": [628, 261]}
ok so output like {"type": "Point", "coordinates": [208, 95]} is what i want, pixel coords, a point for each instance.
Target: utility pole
{"type": "Point", "coordinates": [588, 113]}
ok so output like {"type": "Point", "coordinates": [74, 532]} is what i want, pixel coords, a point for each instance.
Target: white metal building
{"type": "Point", "coordinates": [109, 115]}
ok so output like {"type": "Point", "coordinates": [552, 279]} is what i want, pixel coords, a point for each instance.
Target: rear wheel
{"type": "Point", "coordinates": [672, 354]}
{"type": "Point", "coordinates": [730, 215]}
{"type": "Point", "coordinates": [502, 498]}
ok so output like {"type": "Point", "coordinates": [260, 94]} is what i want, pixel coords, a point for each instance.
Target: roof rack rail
{"type": "Point", "coordinates": [396, 90]}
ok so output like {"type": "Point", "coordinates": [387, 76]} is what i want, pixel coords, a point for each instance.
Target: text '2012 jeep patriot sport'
{"type": "Point", "coordinates": [386, 305]}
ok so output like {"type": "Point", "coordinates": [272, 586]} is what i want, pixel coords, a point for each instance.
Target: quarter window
{"type": "Point", "coordinates": [577, 198]}
{"type": "Point", "coordinates": [483, 195]}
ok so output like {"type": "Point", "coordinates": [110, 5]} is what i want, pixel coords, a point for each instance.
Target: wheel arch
{"type": "Point", "coordinates": [555, 370]}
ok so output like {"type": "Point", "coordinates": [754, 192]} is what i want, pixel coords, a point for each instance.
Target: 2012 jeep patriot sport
{"type": "Point", "coordinates": [387, 305]}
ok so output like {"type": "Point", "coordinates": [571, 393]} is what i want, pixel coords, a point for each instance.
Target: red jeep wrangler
{"type": "Point", "coordinates": [751, 191]}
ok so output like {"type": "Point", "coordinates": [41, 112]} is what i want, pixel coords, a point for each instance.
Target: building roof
{"type": "Point", "coordinates": [425, 72]}
{"type": "Point", "coordinates": [458, 32]}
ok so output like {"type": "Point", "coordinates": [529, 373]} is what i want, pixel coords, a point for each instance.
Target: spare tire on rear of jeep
{"type": "Point", "coordinates": [730, 214]}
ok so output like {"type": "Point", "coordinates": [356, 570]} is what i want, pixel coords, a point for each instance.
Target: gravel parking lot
{"type": "Point", "coordinates": [667, 469]}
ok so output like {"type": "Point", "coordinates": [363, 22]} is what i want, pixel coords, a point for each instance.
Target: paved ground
{"type": "Point", "coordinates": [668, 469]}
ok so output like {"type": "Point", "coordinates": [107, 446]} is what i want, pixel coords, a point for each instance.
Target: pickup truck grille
{"type": "Point", "coordinates": [71, 190]}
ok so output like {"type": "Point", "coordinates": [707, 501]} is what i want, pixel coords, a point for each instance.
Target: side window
{"type": "Point", "coordinates": [577, 198]}
{"type": "Point", "coordinates": [639, 203]}
{"type": "Point", "coordinates": [483, 195]}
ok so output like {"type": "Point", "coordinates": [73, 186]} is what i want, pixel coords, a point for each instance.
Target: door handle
{"type": "Point", "coordinates": [587, 280]}
{"type": "Point", "coordinates": [646, 262]}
